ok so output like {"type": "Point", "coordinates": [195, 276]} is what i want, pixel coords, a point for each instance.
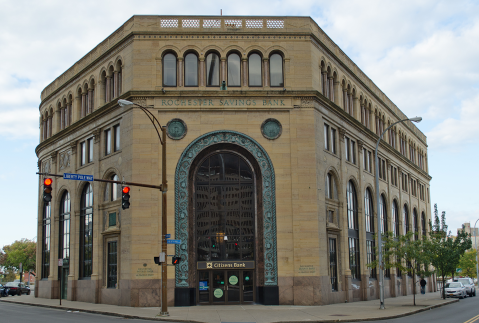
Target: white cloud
{"type": "Point", "coordinates": [19, 124]}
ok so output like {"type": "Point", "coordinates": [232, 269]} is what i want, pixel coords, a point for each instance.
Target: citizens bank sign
{"type": "Point", "coordinates": [225, 264]}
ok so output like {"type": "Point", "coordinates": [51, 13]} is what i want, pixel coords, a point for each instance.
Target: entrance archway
{"type": "Point", "coordinates": [241, 145]}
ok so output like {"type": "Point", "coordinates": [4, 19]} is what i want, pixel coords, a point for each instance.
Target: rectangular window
{"type": "Point", "coordinates": [326, 137]}
{"type": "Point", "coordinates": [370, 162]}
{"type": "Point", "coordinates": [116, 130]}
{"type": "Point", "coordinates": [370, 257]}
{"type": "Point", "coordinates": [112, 264]}
{"type": "Point", "coordinates": [353, 152]}
{"type": "Point", "coordinates": [83, 153]}
{"type": "Point", "coordinates": [333, 272]}
{"type": "Point", "coordinates": [346, 144]}
{"type": "Point", "coordinates": [333, 141]}
{"type": "Point", "coordinates": [107, 142]}
{"type": "Point", "coordinates": [90, 150]}
{"type": "Point", "coordinates": [365, 159]}
{"type": "Point", "coordinates": [385, 175]}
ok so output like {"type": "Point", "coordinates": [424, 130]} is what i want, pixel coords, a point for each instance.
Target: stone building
{"type": "Point", "coordinates": [270, 150]}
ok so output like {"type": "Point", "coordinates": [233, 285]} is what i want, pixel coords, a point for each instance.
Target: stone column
{"type": "Point", "coordinates": [223, 70]}
{"type": "Point", "coordinates": [202, 71]}
{"type": "Point", "coordinates": [97, 256]}
{"type": "Point", "coordinates": [115, 82]}
{"type": "Point", "coordinates": [244, 63]}
{"type": "Point", "coordinates": [180, 72]}
{"type": "Point", "coordinates": [266, 71]}
{"type": "Point", "coordinates": [108, 89]}
{"type": "Point", "coordinates": [324, 84]}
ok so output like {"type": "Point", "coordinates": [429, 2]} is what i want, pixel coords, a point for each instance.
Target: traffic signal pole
{"type": "Point", "coordinates": [164, 190]}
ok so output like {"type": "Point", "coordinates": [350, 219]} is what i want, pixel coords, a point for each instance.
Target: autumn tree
{"type": "Point", "coordinates": [21, 251]}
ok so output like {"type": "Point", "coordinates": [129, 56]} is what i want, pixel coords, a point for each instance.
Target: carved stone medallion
{"type": "Point", "coordinates": [271, 129]}
{"type": "Point", "coordinates": [176, 129]}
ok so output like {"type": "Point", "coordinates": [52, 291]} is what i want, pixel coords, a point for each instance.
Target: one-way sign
{"type": "Point", "coordinates": [78, 177]}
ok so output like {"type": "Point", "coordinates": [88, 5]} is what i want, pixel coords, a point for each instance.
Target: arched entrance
{"type": "Point", "coordinates": [225, 222]}
{"type": "Point", "coordinates": [225, 216]}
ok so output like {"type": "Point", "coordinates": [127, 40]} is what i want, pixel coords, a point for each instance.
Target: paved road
{"type": "Point", "coordinates": [33, 314]}
{"type": "Point", "coordinates": [465, 311]}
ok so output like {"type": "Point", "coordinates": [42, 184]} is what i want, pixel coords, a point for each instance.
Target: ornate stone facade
{"type": "Point", "coordinates": [286, 101]}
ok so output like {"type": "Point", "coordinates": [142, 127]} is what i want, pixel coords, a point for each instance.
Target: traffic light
{"type": "Point", "coordinates": [175, 260]}
{"type": "Point", "coordinates": [47, 190]}
{"type": "Point", "coordinates": [125, 198]}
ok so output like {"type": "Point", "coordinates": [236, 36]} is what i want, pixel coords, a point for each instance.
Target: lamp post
{"type": "Point", "coordinates": [380, 247]}
{"type": "Point", "coordinates": [475, 247]}
{"type": "Point", "coordinates": [164, 189]}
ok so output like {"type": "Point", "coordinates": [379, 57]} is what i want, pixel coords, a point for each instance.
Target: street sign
{"type": "Point", "coordinates": [78, 177]}
{"type": "Point", "coordinates": [458, 270]}
{"type": "Point", "coordinates": [167, 235]}
{"type": "Point", "coordinates": [60, 262]}
{"type": "Point", "coordinates": [173, 241]}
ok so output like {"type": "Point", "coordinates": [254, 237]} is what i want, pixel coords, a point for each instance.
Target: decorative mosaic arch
{"type": "Point", "coordinates": [269, 200]}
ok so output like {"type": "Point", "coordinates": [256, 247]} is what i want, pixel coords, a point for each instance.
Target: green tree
{"type": "Point", "coordinates": [406, 253]}
{"type": "Point", "coordinates": [445, 251]}
{"type": "Point", "coordinates": [21, 251]}
{"type": "Point", "coordinates": [468, 263]}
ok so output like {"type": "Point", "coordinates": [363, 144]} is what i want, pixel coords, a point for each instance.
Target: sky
{"type": "Point", "coordinates": [422, 54]}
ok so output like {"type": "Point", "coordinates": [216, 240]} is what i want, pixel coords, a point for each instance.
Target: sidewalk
{"type": "Point", "coordinates": [357, 311]}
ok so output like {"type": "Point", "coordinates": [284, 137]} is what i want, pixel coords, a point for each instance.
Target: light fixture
{"type": "Point", "coordinates": [123, 103]}
{"type": "Point", "coordinates": [416, 119]}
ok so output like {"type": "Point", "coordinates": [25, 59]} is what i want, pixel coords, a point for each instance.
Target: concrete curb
{"type": "Point", "coordinates": [58, 307]}
{"type": "Point", "coordinates": [167, 319]}
{"type": "Point", "coordinates": [377, 318]}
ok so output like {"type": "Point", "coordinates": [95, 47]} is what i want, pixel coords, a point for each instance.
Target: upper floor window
{"type": "Point", "coordinates": [350, 146]}
{"type": "Point", "coordinates": [415, 224]}
{"type": "Point", "coordinates": [368, 211]}
{"type": "Point", "coordinates": [234, 70]}
{"type": "Point", "coordinates": [107, 141]}
{"type": "Point", "coordinates": [404, 182]}
{"type": "Point", "coordinates": [191, 70]}
{"type": "Point", "coordinates": [423, 223]}
{"type": "Point", "coordinates": [383, 214]}
{"type": "Point", "coordinates": [394, 176]}
{"type": "Point", "coordinates": [406, 219]}
{"type": "Point", "coordinates": [212, 70]}
{"type": "Point", "coordinates": [169, 70]}
{"type": "Point", "coordinates": [116, 137]}
{"type": "Point", "coordinates": [331, 187]}
{"type": "Point", "coordinates": [382, 169]}
{"type": "Point", "coordinates": [352, 206]}
{"type": "Point", "coordinates": [86, 151]}
{"type": "Point", "coordinates": [329, 138]}
{"type": "Point", "coordinates": [367, 160]}
{"type": "Point", "coordinates": [276, 70]}
{"type": "Point", "coordinates": [254, 70]}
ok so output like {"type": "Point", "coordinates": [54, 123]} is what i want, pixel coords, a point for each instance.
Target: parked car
{"type": "Point", "coordinates": [469, 284]}
{"type": "Point", "coordinates": [17, 289]}
{"type": "Point", "coordinates": [3, 291]}
{"type": "Point", "coordinates": [455, 289]}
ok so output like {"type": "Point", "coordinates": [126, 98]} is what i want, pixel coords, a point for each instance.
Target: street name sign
{"type": "Point", "coordinates": [78, 177]}
{"type": "Point", "coordinates": [171, 241]}
{"type": "Point", "coordinates": [167, 235]}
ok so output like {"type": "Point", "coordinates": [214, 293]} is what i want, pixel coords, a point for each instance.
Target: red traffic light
{"type": "Point", "coordinates": [126, 190]}
{"type": "Point", "coordinates": [47, 181]}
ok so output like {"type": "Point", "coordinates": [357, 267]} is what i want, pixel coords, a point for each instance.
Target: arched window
{"type": "Point", "coordinates": [353, 234]}
{"type": "Point", "coordinates": [383, 214]}
{"type": "Point", "coordinates": [369, 216]}
{"type": "Point", "coordinates": [46, 240]}
{"type": "Point", "coordinates": [254, 70]}
{"type": "Point", "coordinates": [234, 70]}
{"type": "Point", "coordinates": [86, 231]}
{"type": "Point", "coordinates": [114, 188]}
{"type": "Point", "coordinates": [276, 70]}
{"type": "Point", "coordinates": [405, 216]}
{"type": "Point", "coordinates": [368, 211]}
{"type": "Point", "coordinates": [191, 70]}
{"type": "Point", "coordinates": [416, 224]}
{"type": "Point", "coordinates": [169, 70]}
{"type": "Point", "coordinates": [212, 70]}
{"type": "Point", "coordinates": [395, 219]}
{"type": "Point", "coordinates": [331, 191]}
{"type": "Point", "coordinates": [423, 224]}
{"type": "Point", "coordinates": [64, 251]}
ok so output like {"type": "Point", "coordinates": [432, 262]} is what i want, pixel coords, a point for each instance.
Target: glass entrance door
{"type": "Point", "coordinates": [226, 287]}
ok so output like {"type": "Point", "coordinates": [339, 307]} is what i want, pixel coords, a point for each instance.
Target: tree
{"type": "Point", "coordinates": [21, 251]}
{"type": "Point", "coordinates": [406, 253]}
{"type": "Point", "coordinates": [468, 263]}
{"type": "Point", "coordinates": [443, 250]}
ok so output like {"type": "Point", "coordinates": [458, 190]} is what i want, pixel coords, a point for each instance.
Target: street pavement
{"type": "Point", "coordinates": [19, 309]}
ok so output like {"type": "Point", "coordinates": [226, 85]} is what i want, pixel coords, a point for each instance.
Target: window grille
{"type": "Point", "coordinates": [211, 23]}
{"type": "Point", "coordinates": [274, 23]}
{"type": "Point", "coordinates": [254, 23]}
{"type": "Point", "coordinates": [169, 23]}
{"type": "Point", "coordinates": [190, 23]}
{"type": "Point", "coordinates": [233, 23]}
